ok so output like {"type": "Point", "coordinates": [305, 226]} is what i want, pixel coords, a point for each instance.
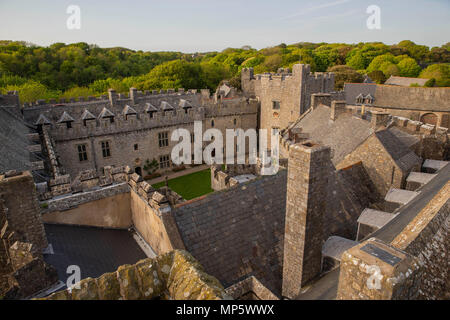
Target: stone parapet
{"type": "Point", "coordinates": [175, 275]}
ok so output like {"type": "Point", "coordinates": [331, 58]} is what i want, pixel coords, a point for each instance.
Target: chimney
{"type": "Point", "coordinates": [337, 108]}
{"type": "Point", "coordinates": [133, 95]}
{"type": "Point", "coordinates": [379, 119]}
{"type": "Point", "coordinates": [308, 171]}
{"type": "Point", "coordinates": [112, 97]}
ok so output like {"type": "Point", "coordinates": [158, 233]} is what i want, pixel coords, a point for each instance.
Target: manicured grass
{"type": "Point", "coordinates": [190, 186]}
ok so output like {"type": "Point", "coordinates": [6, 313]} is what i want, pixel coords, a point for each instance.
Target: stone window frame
{"type": "Point", "coordinates": [163, 139]}
{"type": "Point", "coordinates": [106, 148]}
{"type": "Point", "coordinates": [164, 161]}
{"type": "Point", "coordinates": [276, 105]}
{"type": "Point", "coordinates": [82, 152]}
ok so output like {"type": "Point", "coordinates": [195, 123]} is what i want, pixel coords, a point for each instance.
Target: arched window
{"type": "Point", "coordinates": [234, 121]}
{"type": "Point", "coordinates": [212, 123]}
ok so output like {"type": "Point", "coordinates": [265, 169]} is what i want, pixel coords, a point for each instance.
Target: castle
{"type": "Point", "coordinates": [363, 184]}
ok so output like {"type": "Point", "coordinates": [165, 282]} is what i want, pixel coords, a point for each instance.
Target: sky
{"type": "Point", "coordinates": [210, 25]}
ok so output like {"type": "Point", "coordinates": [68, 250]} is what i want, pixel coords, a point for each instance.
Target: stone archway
{"type": "Point", "coordinates": [429, 118]}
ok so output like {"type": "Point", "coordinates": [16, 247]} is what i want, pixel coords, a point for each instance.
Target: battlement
{"type": "Point", "coordinates": [112, 97]}
{"type": "Point", "coordinates": [11, 98]}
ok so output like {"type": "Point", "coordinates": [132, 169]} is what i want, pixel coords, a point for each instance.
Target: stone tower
{"type": "Point", "coordinates": [308, 171]}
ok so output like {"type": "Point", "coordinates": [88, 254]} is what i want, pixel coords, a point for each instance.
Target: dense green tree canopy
{"type": "Point", "coordinates": [81, 69]}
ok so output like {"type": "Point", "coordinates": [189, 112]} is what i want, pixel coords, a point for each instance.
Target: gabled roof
{"type": "Point", "coordinates": [401, 154]}
{"type": "Point", "coordinates": [185, 104]}
{"type": "Point", "coordinates": [87, 115]}
{"type": "Point", "coordinates": [66, 117]}
{"type": "Point", "coordinates": [150, 108]}
{"type": "Point", "coordinates": [106, 113]}
{"type": "Point", "coordinates": [42, 120]}
{"type": "Point", "coordinates": [405, 81]}
{"type": "Point", "coordinates": [165, 106]}
{"type": "Point", "coordinates": [128, 110]}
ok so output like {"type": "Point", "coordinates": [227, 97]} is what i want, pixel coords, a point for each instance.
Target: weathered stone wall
{"type": "Point", "coordinates": [308, 171]}
{"type": "Point", "coordinates": [138, 128]}
{"type": "Point", "coordinates": [292, 91]}
{"type": "Point", "coordinates": [152, 217]}
{"type": "Point", "coordinates": [379, 165]}
{"type": "Point", "coordinates": [174, 275]}
{"type": "Point", "coordinates": [374, 270]}
{"type": "Point", "coordinates": [107, 212]}
{"type": "Point", "coordinates": [19, 197]}
{"type": "Point", "coordinates": [250, 289]}
{"type": "Point", "coordinates": [427, 237]}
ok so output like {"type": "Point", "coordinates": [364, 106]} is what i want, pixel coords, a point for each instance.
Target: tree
{"type": "Point", "coordinates": [409, 68]}
{"type": "Point", "coordinates": [379, 60]}
{"type": "Point", "coordinates": [345, 74]}
{"type": "Point", "coordinates": [389, 69]}
{"type": "Point", "coordinates": [430, 83]}
{"type": "Point", "coordinates": [440, 72]}
{"type": "Point", "coordinates": [357, 62]}
{"type": "Point", "coordinates": [377, 76]}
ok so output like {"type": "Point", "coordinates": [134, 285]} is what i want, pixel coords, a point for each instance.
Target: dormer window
{"type": "Point", "coordinates": [369, 99]}
{"type": "Point", "coordinates": [360, 99]}
{"type": "Point", "coordinates": [67, 119]}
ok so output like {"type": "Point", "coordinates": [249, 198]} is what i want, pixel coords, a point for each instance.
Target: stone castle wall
{"type": "Point", "coordinates": [173, 276]}
{"type": "Point", "coordinates": [133, 138]}
{"type": "Point", "coordinates": [292, 91]}
{"type": "Point", "coordinates": [427, 237]}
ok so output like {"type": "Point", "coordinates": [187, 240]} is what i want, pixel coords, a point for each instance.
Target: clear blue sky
{"type": "Point", "coordinates": [206, 25]}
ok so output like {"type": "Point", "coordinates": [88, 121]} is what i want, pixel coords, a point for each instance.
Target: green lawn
{"type": "Point", "coordinates": [190, 186]}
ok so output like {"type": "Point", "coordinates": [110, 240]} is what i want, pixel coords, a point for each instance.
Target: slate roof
{"type": "Point", "coordinates": [235, 233]}
{"type": "Point", "coordinates": [401, 154]}
{"type": "Point", "coordinates": [127, 110]}
{"type": "Point", "coordinates": [335, 246]}
{"type": "Point", "coordinates": [106, 113]}
{"type": "Point", "coordinates": [342, 135]}
{"type": "Point", "coordinates": [150, 108]}
{"type": "Point", "coordinates": [165, 106]}
{"type": "Point", "coordinates": [95, 250]}
{"type": "Point", "coordinates": [353, 90]}
{"type": "Point", "coordinates": [185, 104]}
{"type": "Point", "coordinates": [405, 81]}
{"type": "Point", "coordinates": [42, 120]}
{"type": "Point", "coordinates": [65, 117]}
{"type": "Point", "coordinates": [87, 115]}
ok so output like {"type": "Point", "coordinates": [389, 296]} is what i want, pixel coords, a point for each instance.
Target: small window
{"type": "Point", "coordinates": [69, 124]}
{"type": "Point", "coordinates": [105, 149]}
{"type": "Point", "coordinates": [164, 162]}
{"type": "Point", "coordinates": [234, 121]}
{"type": "Point", "coordinates": [276, 105]}
{"type": "Point", "coordinates": [212, 123]}
{"type": "Point", "coordinates": [163, 138]}
{"type": "Point", "coordinates": [136, 147]}
{"type": "Point", "coordinates": [111, 119]}
{"type": "Point", "coordinates": [82, 154]}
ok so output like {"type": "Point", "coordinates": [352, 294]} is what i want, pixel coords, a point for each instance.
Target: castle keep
{"type": "Point", "coordinates": [362, 186]}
